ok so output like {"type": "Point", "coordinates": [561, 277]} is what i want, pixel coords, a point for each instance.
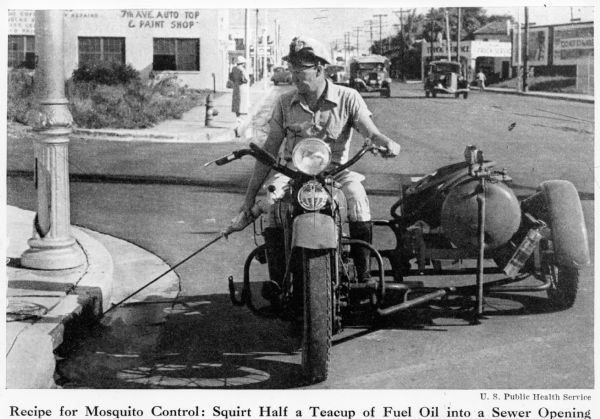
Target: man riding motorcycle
{"type": "Point", "coordinates": [320, 109]}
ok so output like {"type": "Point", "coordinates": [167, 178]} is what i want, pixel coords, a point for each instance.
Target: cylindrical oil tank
{"type": "Point", "coordinates": [460, 214]}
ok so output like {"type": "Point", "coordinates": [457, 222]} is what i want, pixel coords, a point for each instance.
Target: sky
{"type": "Point", "coordinates": [330, 24]}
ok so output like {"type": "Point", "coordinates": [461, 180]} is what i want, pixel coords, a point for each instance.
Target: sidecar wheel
{"type": "Point", "coordinates": [318, 312]}
{"type": "Point", "coordinates": [564, 284]}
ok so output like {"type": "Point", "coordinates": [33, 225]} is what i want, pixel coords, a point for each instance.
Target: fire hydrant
{"type": "Point", "coordinates": [211, 112]}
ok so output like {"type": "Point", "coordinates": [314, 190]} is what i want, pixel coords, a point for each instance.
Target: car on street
{"type": "Point", "coordinates": [337, 74]}
{"type": "Point", "coordinates": [445, 77]}
{"type": "Point", "coordinates": [281, 75]}
{"type": "Point", "coordinates": [371, 74]}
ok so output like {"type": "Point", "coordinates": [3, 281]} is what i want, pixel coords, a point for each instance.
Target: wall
{"type": "Point", "coordinates": [140, 26]}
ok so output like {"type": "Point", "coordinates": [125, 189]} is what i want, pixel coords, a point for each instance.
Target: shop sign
{"type": "Point", "coordinates": [573, 42]}
{"type": "Point", "coordinates": [442, 48]}
{"type": "Point", "coordinates": [490, 49]}
{"type": "Point", "coordinates": [21, 22]}
{"type": "Point", "coordinates": [161, 19]}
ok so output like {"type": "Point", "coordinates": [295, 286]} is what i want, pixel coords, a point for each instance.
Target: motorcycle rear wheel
{"type": "Point", "coordinates": [564, 284]}
{"type": "Point", "coordinates": [318, 311]}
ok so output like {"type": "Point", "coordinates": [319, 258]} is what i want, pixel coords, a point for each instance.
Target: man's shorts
{"type": "Point", "coordinates": [357, 201]}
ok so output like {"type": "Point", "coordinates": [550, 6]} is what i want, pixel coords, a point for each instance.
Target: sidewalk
{"type": "Point", "coordinates": [45, 307]}
{"type": "Point", "coordinates": [547, 95]}
{"type": "Point", "coordinates": [190, 128]}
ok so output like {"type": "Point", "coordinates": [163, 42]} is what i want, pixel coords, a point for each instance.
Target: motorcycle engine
{"type": "Point", "coordinates": [459, 217]}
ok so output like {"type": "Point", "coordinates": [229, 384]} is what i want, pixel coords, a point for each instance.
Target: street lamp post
{"type": "Point", "coordinates": [52, 246]}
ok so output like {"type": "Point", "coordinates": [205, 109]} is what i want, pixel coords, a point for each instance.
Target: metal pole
{"type": "Point", "coordinates": [480, 259]}
{"type": "Point", "coordinates": [247, 35]}
{"type": "Point", "coordinates": [265, 46]}
{"type": "Point", "coordinates": [458, 31]}
{"type": "Point", "coordinates": [357, 45]}
{"type": "Point", "coordinates": [380, 45]}
{"type": "Point", "coordinates": [255, 70]}
{"type": "Point", "coordinates": [448, 34]}
{"type": "Point", "coordinates": [526, 55]}
{"type": "Point", "coordinates": [519, 50]}
{"type": "Point", "coordinates": [52, 245]}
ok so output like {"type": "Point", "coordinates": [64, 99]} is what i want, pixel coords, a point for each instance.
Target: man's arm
{"type": "Point", "coordinates": [272, 145]}
{"type": "Point", "coordinates": [261, 171]}
{"type": "Point", "coordinates": [365, 125]}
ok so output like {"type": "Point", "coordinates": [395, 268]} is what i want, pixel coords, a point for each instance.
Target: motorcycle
{"type": "Point", "coordinates": [463, 211]}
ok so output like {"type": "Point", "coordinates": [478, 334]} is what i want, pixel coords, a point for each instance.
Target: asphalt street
{"type": "Point", "coordinates": [160, 197]}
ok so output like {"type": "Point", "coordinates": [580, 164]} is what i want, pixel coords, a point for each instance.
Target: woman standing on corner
{"type": "Point", "coordinates": [240, 101]}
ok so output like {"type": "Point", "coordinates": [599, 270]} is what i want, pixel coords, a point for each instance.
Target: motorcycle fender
{"type": "Point", "coordinates": [567, 223]}
{"type": "Point", "coordinates": [314, 231]}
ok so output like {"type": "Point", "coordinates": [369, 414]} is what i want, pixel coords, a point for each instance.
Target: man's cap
{"type": "Point", "coordinates": [241, 59]}
{"type": "Point", "coordinates": [306, 51]}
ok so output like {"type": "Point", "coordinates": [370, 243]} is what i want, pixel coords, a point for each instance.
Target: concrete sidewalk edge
{"type": "Point", "coordinates": [545, 95]}
{"type": "Point", "coordinates": [31, 344]}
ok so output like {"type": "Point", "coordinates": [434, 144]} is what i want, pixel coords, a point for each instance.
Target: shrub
{"type": "Point", "coordinates": [93, 104]}
{"type": "Point", "coordinates": [20, 95]}
{"type": "Point", "coordinates": [106, 73]}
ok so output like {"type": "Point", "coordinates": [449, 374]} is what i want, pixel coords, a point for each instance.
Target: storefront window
{"type": "Point", "coordinates": [101, 50]}
{"type": "Point", "coordinates": [176, 54]}
{"type": "Point", "coordinates": [21, 51]}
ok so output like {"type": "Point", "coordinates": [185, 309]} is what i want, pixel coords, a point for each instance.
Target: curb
{"type": "Point", "coordinates": [540, 95]}
{"type": "Point", "coordinates": [96, 284]}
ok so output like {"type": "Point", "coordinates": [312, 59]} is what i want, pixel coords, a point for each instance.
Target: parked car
{"type": "Point", "coordinates": [445, 77]}
{"type": "Point", "coordinates": [281, 75]}
{"type": "Point", "coordinates": [371, 74]}
{"type": "Point", "coordinates": [337, 74]}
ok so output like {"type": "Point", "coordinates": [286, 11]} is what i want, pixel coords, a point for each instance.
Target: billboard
{"type": "Point", "coordinates": [573, 42]}
{"type": "Point", "coordinates": [537, 47]}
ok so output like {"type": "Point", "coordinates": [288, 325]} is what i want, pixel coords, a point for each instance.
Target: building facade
{"type": "Point", "coordinates": [191, 43]}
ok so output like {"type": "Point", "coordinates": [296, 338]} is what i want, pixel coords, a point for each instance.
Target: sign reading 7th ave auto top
{"type": "Point", "coordinates": [174, 19]}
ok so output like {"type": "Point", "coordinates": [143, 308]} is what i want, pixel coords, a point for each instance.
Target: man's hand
{"type": "Point", "coordinates": [240, 222]}
{"type": "Point", "coordinates": [392, 149]}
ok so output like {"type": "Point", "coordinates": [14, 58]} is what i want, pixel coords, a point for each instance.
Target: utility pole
{"type": "Point", "coordinates": [265, 47]}
{"type": "Point", "coordinates": [402, 40]}
{"type": "Point", "coordinates": [255, 66]}
{"type": "Point", "coordinates": [519, 50]}
{"type": "Point", "coordinates": [458, 31]}
{"type": "Point", "coordinates": [448, 34]}
{"type": "Point", "coordinates": [52, 246]}
{"type": "Point", "coordinates": [247, 35]}
{"type": "Point", "coordinates": [431, 33]}
{"type": "Point", "coordinates": [526, 55]}
{"type": "Point", "coordinates": [358, 29]}
{"type": "Point", "coordinates": [370, 23]}
{"type": "Point", "coordinates": [380, 44]}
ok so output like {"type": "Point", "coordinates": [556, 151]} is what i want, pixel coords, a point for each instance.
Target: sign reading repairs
{"type": "Point", "coordinates": [161, 19]}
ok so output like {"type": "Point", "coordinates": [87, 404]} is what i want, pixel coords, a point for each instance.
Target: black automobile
{"type": "Point", "coordinates": [445, 77]}
{"type": "Point", "coordinates": [371, 74]}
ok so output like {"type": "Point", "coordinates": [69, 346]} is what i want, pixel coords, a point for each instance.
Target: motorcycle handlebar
{"type": "Point", "coordinates": [267, 159]}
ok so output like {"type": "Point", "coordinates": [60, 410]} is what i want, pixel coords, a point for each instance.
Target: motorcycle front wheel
{"type": "Point", "coordinates": [318, 309]}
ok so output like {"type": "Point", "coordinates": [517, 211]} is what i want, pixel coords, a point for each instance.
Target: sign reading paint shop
{"type": "Point", "coordinates": [161, 19]}
{"type": "Point", "coordinates": [21, 22]}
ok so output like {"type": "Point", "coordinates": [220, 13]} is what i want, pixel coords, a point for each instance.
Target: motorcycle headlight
{"type": "Point", "coordinates": [311, 156]}
{"type": "Point", "coordinates": [312, 196]}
